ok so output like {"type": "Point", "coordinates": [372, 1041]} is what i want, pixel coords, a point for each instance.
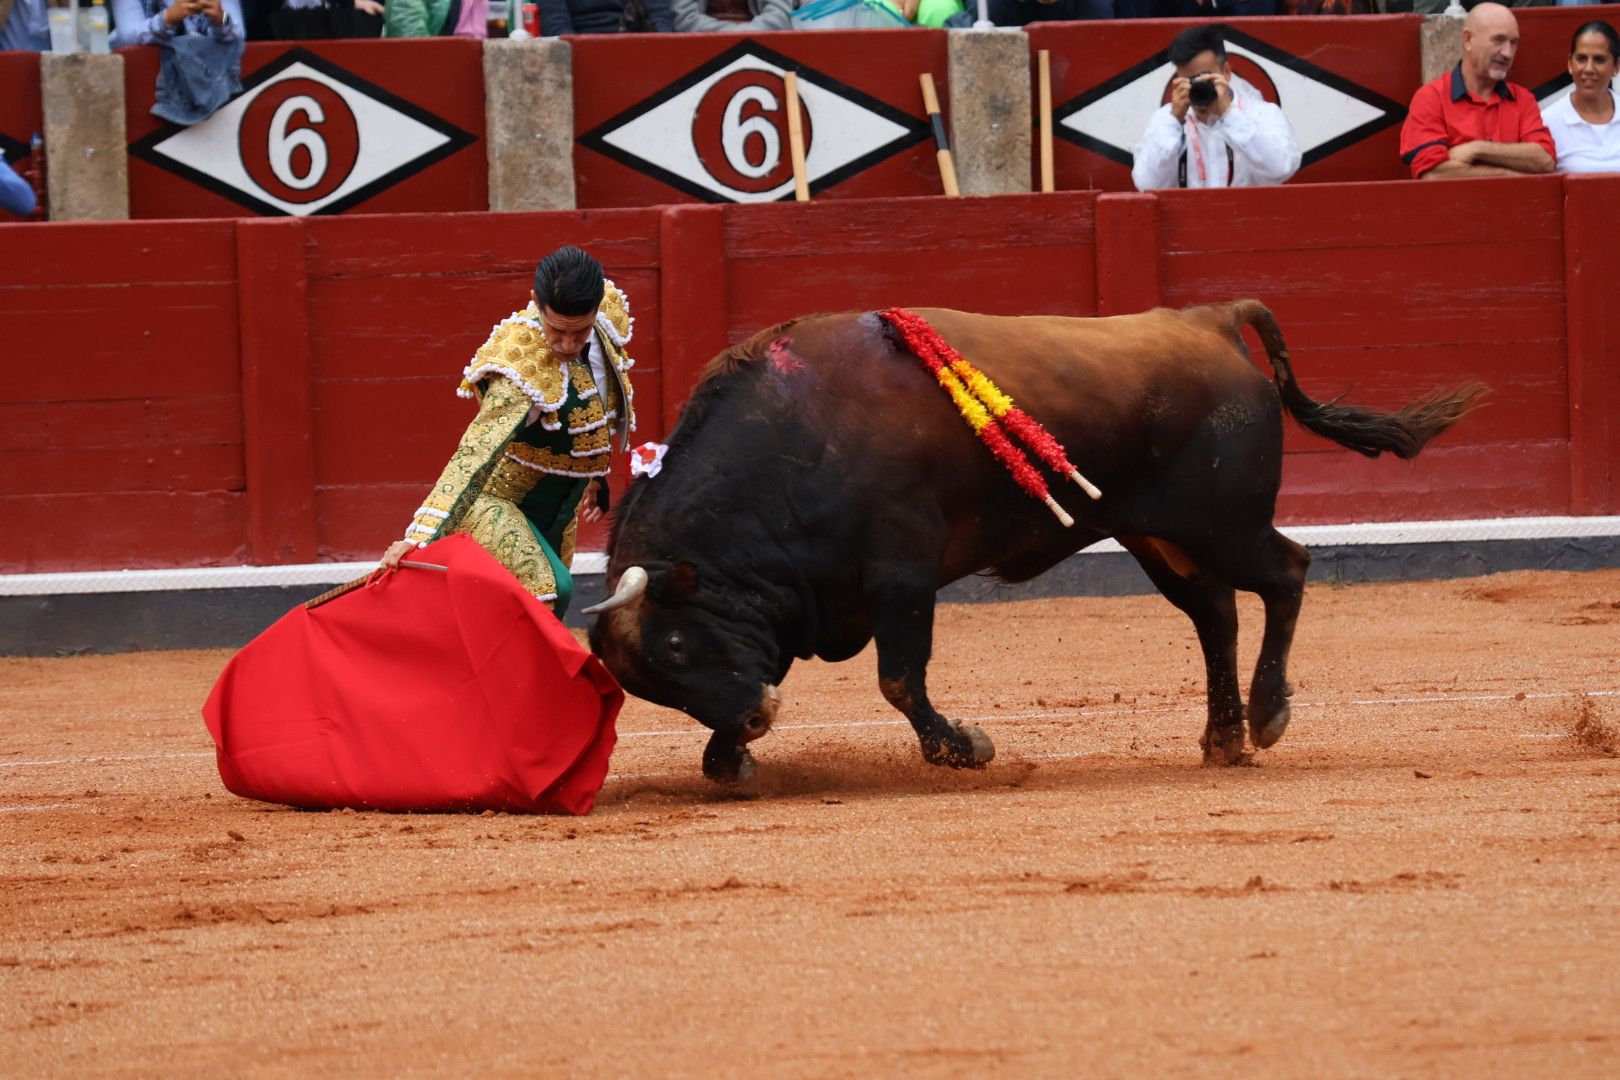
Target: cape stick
{"type": "Point", "coordinates": [349, 586]}
{"type": "Point", "coordinates": [942, 144]}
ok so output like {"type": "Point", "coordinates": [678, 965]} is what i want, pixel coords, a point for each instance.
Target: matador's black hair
{"type": "Point", "coordinates": [569, 282]}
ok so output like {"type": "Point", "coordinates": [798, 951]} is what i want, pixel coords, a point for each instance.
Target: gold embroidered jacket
{"type": "Point", "coordinates": [517, 382]}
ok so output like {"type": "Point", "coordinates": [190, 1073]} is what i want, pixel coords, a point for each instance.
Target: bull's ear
{"type": "Point", "coordinates": [683, 581]}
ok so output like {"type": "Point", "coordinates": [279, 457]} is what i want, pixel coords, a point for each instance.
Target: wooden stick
{"type": "Point", "coordinates": [349, 586]}
{"type": "Point", "coordinates": [942, 144]}
{"type": "Point", "coordinates": [1046, 120]}
{"type": "Point", "coordinates": [801, 186]}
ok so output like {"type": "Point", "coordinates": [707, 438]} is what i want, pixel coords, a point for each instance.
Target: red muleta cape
{"type": "Point", "coordinates": [424, 691]}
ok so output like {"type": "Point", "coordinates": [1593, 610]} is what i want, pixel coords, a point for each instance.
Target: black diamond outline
{"type": "Point", "coordinates": [1552, 86]}
{"type": "Point", "coordinates": [1393, 111]}
{"type": "Point", "coordinates": [915, 131]}
{"type": "Point", "coordinates": [145, 148]}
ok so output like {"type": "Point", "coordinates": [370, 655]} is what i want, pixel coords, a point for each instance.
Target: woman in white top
{"type": "Point", "coordinates": [1583, 124]}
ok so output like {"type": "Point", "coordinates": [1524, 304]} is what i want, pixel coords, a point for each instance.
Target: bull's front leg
{"type": "Point", "coordinates": [902, 611]}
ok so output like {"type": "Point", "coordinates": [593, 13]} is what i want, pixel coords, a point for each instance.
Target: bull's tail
{"type": "Point", "coordinates": [1366, 431]}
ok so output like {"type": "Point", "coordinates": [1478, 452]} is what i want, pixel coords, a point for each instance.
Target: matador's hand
{"type": "Point", "coordinates": [390, 559]}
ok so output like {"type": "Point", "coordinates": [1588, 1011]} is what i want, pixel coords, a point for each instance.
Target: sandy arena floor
{"type": "Point", "coordinates": [1421, 879]}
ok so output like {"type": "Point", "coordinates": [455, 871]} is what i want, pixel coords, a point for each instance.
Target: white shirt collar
{"type": "Point", "coordinates": [1571, 117]}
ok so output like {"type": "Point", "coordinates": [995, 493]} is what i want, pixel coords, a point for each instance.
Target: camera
{"type": "Point", "coordinates": [1201, 92]}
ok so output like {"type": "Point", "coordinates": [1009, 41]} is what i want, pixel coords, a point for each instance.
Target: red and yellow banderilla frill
{"type": "Point", "coordinates": [988, 410]}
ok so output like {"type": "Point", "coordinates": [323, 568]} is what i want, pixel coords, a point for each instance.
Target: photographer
{"type": "Point", "coordinates": [1217, 131]}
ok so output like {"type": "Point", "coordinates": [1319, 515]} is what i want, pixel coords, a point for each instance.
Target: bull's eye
{"type": "Point", "coordinates": [677, 646]}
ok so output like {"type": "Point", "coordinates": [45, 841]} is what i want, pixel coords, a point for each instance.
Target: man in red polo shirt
{"type": "Point", "coordinates": [1472, 121]}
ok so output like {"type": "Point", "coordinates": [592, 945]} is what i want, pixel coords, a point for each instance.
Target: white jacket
{"type": "Point", "coordinates": [1254, 131]}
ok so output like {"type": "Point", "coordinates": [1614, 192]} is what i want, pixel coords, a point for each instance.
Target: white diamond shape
{"type": "Point", "coordinates": [1318, 113]}
{"type": "Point", "coordinates": [388, 139]}
{"type": "Point", "coordinates": [844, 131]}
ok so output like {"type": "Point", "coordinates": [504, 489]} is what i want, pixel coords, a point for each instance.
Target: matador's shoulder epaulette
{"type": "Point", "coordinates": [517, 350]}
{"type": "Point", "coordinates": [614, 316]}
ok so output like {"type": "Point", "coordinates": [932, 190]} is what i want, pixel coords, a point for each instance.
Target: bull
{"type": "Point", "coordinates": [819, 489]}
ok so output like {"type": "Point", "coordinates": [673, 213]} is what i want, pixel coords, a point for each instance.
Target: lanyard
{"type": "Point", "coordinates": [1197, 148]}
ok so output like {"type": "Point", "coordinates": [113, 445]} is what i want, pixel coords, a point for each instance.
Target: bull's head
{"type": "Point", "coordinates": [708, 651]}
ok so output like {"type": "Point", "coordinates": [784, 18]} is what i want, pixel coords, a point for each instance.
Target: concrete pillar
{"type": "Point", "coordinates": [1440, 45]}
{"type": "Point", "coordinates": [991, 122]}
{"type": "Point", "coordinates": [87, 165]}
{"type": "Point", "coordinates": [529, 123]}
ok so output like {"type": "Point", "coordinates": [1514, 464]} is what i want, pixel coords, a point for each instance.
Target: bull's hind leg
{"type": "Point", "coordinates": [1272, 566]}
{"type": "Point", "coordinates": [902, 613]}
{"type": "Point", "coordinates": [1211, 604]}
{"type": "Point", "coordinates": [1281, 588]}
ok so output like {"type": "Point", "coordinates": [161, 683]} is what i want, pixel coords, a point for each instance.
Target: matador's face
{"type": "Point", "coordinates": [568, 336]}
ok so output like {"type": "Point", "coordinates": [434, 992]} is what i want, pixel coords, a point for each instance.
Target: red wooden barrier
{"type": "Point", "coordinates": [121, 418]}
{"type": "Point", "coordinates": [1387, 291]}
{"type": "Point", "coordinates": [276, 409]}
{"type": "Point", "coordinates": [208, 392]}
{"type": "Point", "coordinates": [1591, 266]}
{"type": "Point", "coordinates": [20, 112]}
{"type": "Point", "coordinates": [1345, 93]}
{"type": "Point", "coordinates": [1011, 255]}
{"type": "Point", "coordinates": [329, 126]}
{"type": "Point", "coordinates": [703, 117]}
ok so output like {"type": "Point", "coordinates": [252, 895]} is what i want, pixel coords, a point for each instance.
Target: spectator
{"type": "Point", "coordinates": [202, 51]}
{"type": "Point", "coordinates": [16, 196]}
{"type": "Point", "coordinates": [738, 15]}
{"type": "Point", "coordinates": [604, 17]}
{"type": "Point", "coordinates": [1191, 9]}
{"type": "Point", "coordinates": [939, 14]}
{"type": "Point", "coordinates": [438, 18]}
{"type": "Point", "coordinates": [1329, 7]}
{"type": "Point", "coordinates": [153, 22]}
{"type": "Point", "coordinates": [1217, 131]}
{"type": "Point", "coordinates": [1582, 125]}
{"type": "Point", "coordinates": [1024, 12]}
{"type": "Point", "coordinates": [1472, 121]}
{"type": "Point", "coordinates": [311, 20]}
{"type": "Point", "coordinates": [26, 28]}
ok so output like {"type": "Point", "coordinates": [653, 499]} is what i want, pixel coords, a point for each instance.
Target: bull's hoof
{"type": "Point", "coordinates": [1265, 733]}
{"type": "Point", "coordinates": [1223, 746]}
{"type": "Point", "coordinates": [1268, 714]}
{"type": "Point", "coordinates": [966, 747]}
{"type": "Point", "coordinates": [729, 764]}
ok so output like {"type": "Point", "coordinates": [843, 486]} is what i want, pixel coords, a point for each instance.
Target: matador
{"type": "Point", "coordinates": [553, 390]}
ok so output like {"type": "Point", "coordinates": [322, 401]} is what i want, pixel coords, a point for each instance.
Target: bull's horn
{"type": "Point", "coordinates": [632, 583]}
